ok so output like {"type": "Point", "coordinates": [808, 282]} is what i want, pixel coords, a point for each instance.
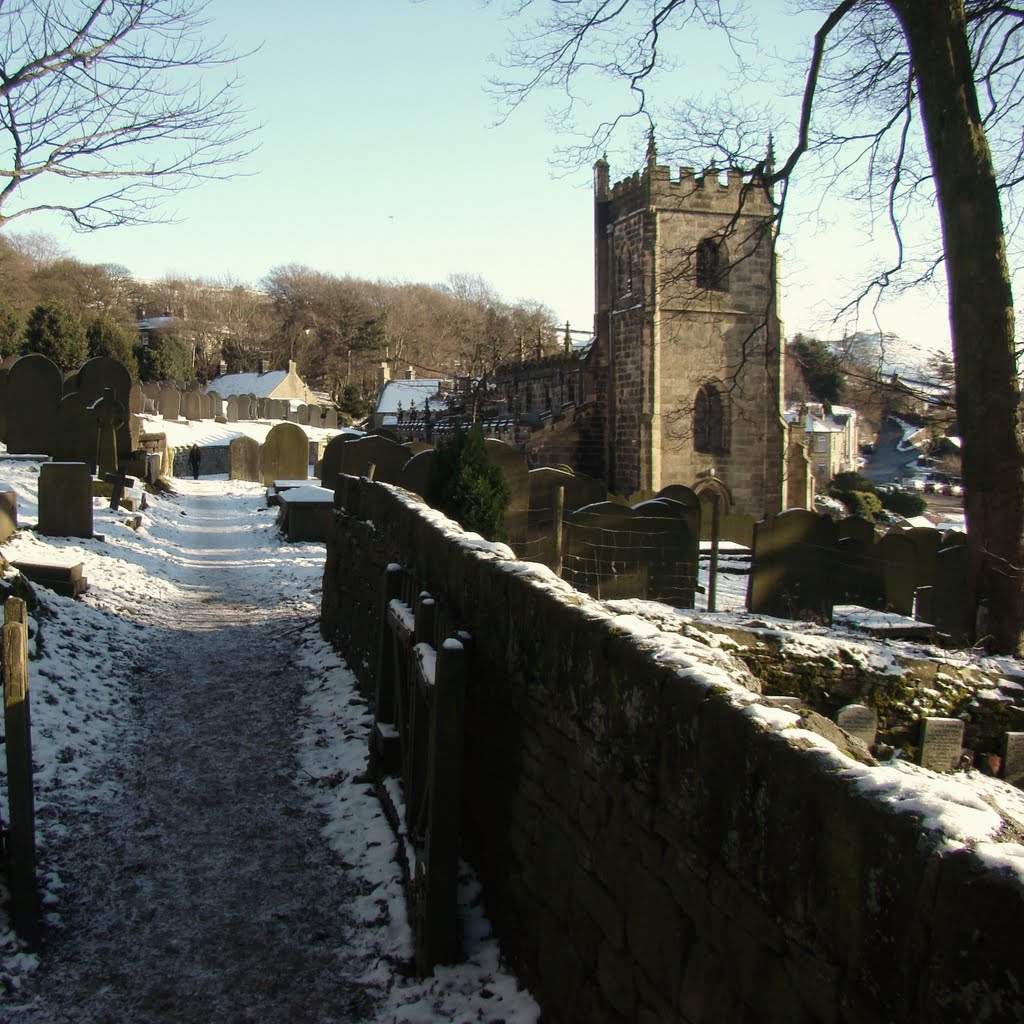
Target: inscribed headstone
{"type": "Point", "coordinates": [231, 409]}
{"type": "Point", "coordinates": [170, 403]}
{"type": "Point", "coordinates": [330, 420]}
{"type": "Point", "coordinates": [191, 406]}
{"type": "Point", "coordinates": [859, 721]}
{"type": "Point", "coordinates": [387, 456]}
{"type": "Point", "coordinates": [942, 740]}
{"type": "Point", "coordinates": [1013, 758]}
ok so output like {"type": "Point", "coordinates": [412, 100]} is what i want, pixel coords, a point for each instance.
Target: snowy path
{"type": "Point", "coordinates": [201, 887]}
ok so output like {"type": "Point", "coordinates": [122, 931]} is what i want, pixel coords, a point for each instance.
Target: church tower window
{"type": "Point", "coordinates": [712, 266]}
{"type": "Point", "coordinates": [708, 420]}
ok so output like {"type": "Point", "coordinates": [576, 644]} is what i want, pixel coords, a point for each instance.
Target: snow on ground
{"type": "Point", "coordinates": [86, 655]}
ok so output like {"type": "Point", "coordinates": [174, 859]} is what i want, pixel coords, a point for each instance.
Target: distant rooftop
{"type": "Point", "coordinates": [409, 394]}
{"type": "Point", "coordinates": [262, 385]}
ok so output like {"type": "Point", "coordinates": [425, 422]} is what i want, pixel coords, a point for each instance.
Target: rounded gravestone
{"type": "Point", "coordinates": [35, 387]}
{"type": "Point", "coordinates": [285, 454]}
{"type": "Point", "coordinates": [101, 373]}
{"type": "Point", "coordinates": [75, 432]}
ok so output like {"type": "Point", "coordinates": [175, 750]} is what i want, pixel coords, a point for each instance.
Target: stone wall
{"type": "Point", "coordinates": [649, 851]}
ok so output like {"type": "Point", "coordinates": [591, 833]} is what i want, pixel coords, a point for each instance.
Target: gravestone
{"type": "Point", "coordinates": [35, 388]}
{"type": "Point", "coordinates": [170, 403]}
{"type": "Point", "coordinates": [415, 474]}
{"type": "Point", "coordinates": [860, 574]}
{"type": "Point", "coordinates": [65, 499]}
{"type": "Point", "coordinates": [191, 406]}
{"type": "Point", "coordinates": [952, 611]}
{"type": "Point", "coordinates": [137, 399]}
{"type": "Point", "coordinates": [285, 454]}
{"type": "Point", "coordinates": [386, 455]}
{"type": "Point", "coordinates": [330, 421]}
{"type": "Point", "coordinates": [1013, 758]}
{"type": "Point", "coordinates": [792, 566]}
{"type": "Point", "coordinates": [859, 721]}
{"type": "Point", "coordinates": [231, 409]}
{"type": "Point", "coordinates": [301, 416]}
{"type": "Point", "coordinates": [942, 741]}
{"type": "Point", "coordinates": [75, 434]}
{"type": "Point", "coordinates": [331, 463]}
{"type": "Point", "coordinates": [99, 374]}
{"type": "Point", "coordinates": [8, 511]}
{"type": "Point", "coordinates": [313, 415]}
{"type": "Point", "coordinates": [510, 461]}
{"type": "Point", "coordinates": [598, 556]}
{"type": "Point", "coordinates": [899, 563]}
{"type": "Point", "coordinates": [245, 460]}
{"type": "Point", "coordinates": [216, 404]}
{"type": "Point", "coordinates": [668, 535]}
{"type": "Point", "coordinates": [110, 415]}
{"type": "Point", "coordinates": [3, 403]}
{"type": "Point", "coordinates": [151, 389]}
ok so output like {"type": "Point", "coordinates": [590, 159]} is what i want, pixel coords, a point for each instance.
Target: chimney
{"type": "Point", "coordinates": [222, 369]}
{"type": "Point", "coordinates": [410, 374]}
{"type": "Point", "coordinates": [292, 368]}
{"type": "Point", "coordinates": [383, 375]}
{"type": "Point", "coordinates": [261, 366]}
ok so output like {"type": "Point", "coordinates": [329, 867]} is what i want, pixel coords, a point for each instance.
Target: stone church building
{"type": "Point", "coordinates": [686, 366]}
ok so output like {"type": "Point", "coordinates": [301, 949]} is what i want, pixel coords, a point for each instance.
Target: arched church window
{"type": "Point", "coordinates": [712, 266]}
{"type": "Point", "coordinates": [708, 420]}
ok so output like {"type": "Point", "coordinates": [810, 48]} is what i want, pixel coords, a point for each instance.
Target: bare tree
{"type": "Point", "coordinates": [108, 105]}
{"type": "Point", "coordinates": [928, 99]}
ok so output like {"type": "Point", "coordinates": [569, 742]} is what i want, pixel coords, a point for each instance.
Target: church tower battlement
{"type": "Point", "coordinates": [688, 355]}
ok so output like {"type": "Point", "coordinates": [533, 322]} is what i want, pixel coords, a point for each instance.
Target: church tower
{"type": "Point", "coordinates": [688, 359]}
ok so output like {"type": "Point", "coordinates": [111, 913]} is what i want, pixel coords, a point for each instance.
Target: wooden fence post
{"type": "Point", "coordinates": [556, 522]}
{"type": "Point", "coordinates": [440, 939]}
{"type": "Point", "coordinates": [21, 802]}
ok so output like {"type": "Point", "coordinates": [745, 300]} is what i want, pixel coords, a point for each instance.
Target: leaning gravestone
{"type": "Point", "coordinates": [285, 454]}
{"type": "Point", "coordinates": [386, 456]}
{"type": "Point", "coordinates": [859, 721]}
{"type": "Point", "coordinates": [245, 460]}
{"type": "Point", "coordinates": [34, 390]}
{"type": "Point", "coordinates": [942, 740]}
{"type": "Point", "coordinates": [74, 432]}
{"type": "Point", "coordinates": [65, 499]}
{"type": "Point", "coordinates": [1013, 758]}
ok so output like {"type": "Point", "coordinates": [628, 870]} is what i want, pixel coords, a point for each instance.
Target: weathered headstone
{"type": "Point", "coordinates": [415, 475]}
{"type": "Point", "coordinates": [859, 721]}
{"type": "Point", "coordinates": [231, 409]}
{"type": "Point", "coordinates": [8, 511]}
{"type": "Point", "coordinates": [35, 388]}
{"type": "Point", "coordinates": [301, 415]}
{"type": "Point", "coordinates": [942, 741]}
{"type": "Point", "coordinates": [285, 454]}
{"type": "Point", "coordinates": [510, 461]}
{"type": "Point", "coordinates": [65, 499]}
{"type": "Point", "coordinates": [792, 565]}
{"type": "Point", "coordinates": [387, 456]}
{"type": "Point", "coordinates": [330, 421]}
{"type": "Point", "coordinates": [1013, 758]}
{"type": "Point", "coordinates": [170, 403]}
{"type": "Point", "coordinates": [75, 435]}
{"type": "Point", "coordinates": [952, 610]}
{"type": "Point", "coordinates": [110, 414]}
{"type": "Point", "coordinates": [216, 404]}
{"type": "Point", "coordinates": [205, 407]}
{"type": "Point", "coordinates": [137, 400]}
{"type": "Point", "coordinates": [331, 463]}
{"type": "Point", "coordinates": [313, 415]}
{"type": "Point", "coordinates": [859, 573]}
{"type": "Point", "coordinates": [191, 406]}
{"type": "Point", "coordinates": [244, 460]}
{"type": "Point", "coordinates": [99, 374]}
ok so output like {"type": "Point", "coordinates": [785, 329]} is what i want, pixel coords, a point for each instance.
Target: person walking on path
{"type": "Point", "coordinates": [195, 457]}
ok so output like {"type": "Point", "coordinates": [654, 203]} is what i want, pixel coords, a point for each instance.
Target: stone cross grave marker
{"type": "Point", "coordinates": [859, 721]}
{"type": "Point", "coordinates": [942, 741]}
{"type": "Point", "coordinates": [110, 415]}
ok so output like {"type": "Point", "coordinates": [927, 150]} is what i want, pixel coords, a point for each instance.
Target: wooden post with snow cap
{"type": "Point", "coordinates": [21, 840]}
{"type": "Point", "coordinates": [439, 921]}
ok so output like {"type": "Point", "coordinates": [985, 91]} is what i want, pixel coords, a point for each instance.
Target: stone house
{"type": "Point", "coordinates": [830, 437]}
{"type": "Point", "coordinates": [407, 399]}
{"type": "Point", "coordinates": [282, 384]}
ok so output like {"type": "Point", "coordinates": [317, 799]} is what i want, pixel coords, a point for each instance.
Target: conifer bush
{"type": "Point", "coordinates": [467, 486]}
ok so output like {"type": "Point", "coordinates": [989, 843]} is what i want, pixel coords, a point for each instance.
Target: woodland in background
{"type": "Point", "coordinates": [337, 329]}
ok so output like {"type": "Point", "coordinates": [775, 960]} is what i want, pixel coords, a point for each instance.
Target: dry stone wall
{"type": "Point", "coordinates": [649, 851]}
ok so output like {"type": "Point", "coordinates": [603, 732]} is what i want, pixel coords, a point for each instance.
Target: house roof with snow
{"type": "Point", "coordinates": [273, 384]}
{"type": "Point", "coordinates": [408, 394]}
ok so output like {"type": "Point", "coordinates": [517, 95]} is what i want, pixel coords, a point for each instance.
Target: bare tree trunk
{"type": "Point", "coordinates": [981, 313]}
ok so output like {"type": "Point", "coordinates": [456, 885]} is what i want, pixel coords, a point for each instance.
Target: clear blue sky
{"type": "Point", "coordinates": [381, 158]}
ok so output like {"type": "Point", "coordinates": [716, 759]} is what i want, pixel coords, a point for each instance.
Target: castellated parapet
{"type": "Point", "coordinates": [655, 187]}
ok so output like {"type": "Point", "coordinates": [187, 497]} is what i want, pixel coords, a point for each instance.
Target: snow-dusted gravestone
{"type": "Point", "coordinates": [859, 721]}
{"type": "Point", "coordinates": [942, 740]}
{"type": "Point", "coordinates": [1013, 757]}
